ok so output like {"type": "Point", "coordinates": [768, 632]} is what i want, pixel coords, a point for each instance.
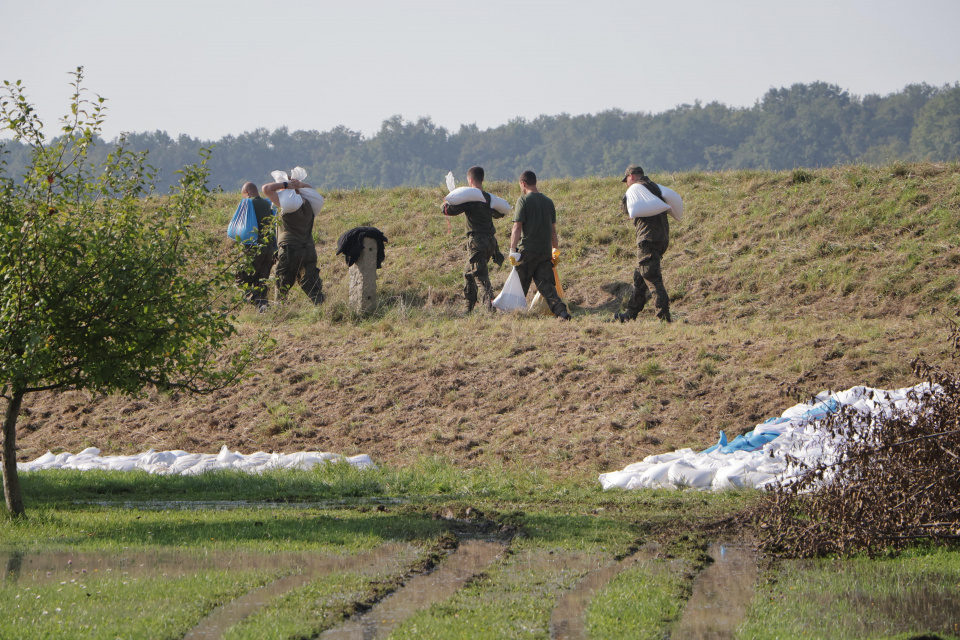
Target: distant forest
{"type": "Point", "coordinates": [805, 125]}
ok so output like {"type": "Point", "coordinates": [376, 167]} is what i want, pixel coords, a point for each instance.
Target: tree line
{"type": "Point", "coordinates": [805, 125]}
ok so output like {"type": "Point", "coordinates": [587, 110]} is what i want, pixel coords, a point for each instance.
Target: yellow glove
{"type": "Point", "coordinates": [555, 256]}
{"type": "Point", "coordinates": [515, 258]}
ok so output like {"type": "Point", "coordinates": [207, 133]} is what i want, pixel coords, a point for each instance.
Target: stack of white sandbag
{"type": "Point", "coordinates": [746, 463]}
{"type": "Point", "coordinates": [183, 463]}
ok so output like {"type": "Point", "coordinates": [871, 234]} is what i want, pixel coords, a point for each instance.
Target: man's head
{"type": "Point", "coordinates": [249, 190]}
{"type": "Point", "coordinates": [528, 178]}
{"type": "Point", "coordinates": [475, 177]}
{"type": "Point", "coordinates": [634, 170]}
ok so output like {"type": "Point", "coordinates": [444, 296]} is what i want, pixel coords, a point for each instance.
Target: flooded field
{"type": "Point", "coordinates": [448, 574]}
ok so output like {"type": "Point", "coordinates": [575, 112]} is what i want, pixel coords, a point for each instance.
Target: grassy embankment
{"type": "Point", "coordinates": [783, 283]}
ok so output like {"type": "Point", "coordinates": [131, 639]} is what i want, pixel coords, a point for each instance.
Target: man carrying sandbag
{"type": "Point", "coordinates": [297, 255]}
{"type": "Point", "coordinates": [534, 244]}
{"type": "Point", "coordinates": [653, 237]}
{"type": "Point", "coordinates": [253, 276]}
{"type": "Point", "coordinates": [481, 242]}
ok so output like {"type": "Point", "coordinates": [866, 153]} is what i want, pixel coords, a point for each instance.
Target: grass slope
{"type": "Point", "coordinates": [783, 284]}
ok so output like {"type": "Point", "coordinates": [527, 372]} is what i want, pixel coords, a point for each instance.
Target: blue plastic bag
{"type": "Point", "coordinates": [243, 225]}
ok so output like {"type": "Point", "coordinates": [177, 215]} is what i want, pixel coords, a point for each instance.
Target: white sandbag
{"type": "Point", "coordinates": [674, 200]}
{"type": "Point", "coordinates": [499, 204]}
{"type": "Point", "coordinates": [290, 200]}
{"type": "Point", "coordinates": [655, 476]}
{"type": "Point", "coordinates": [298, 173]}
{"type": "Point", "coordinates": [314, 198]}
{"type": "Point", "coordinates": [643, 204]}
{"type": "Point", "coordinates": [451, 182]}
{"type": "Point", "coordinates": [683, 474]}
{"type": "Point", "coordinates": [511, 298]}
{"type": "Point", "coordinates": [464, 194]}
{"type": "Point", "coordinates": [615, 479]}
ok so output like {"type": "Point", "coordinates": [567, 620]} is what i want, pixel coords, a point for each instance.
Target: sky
{"type": "Point", "coordinates": [209, 69]}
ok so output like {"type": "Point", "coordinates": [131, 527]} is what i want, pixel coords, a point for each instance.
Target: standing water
{"type": "Point", "coordinates": [721, 595]}
{"type": "Point", "coordinates": [468, 560]}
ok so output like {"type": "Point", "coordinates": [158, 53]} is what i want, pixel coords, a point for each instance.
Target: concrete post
{"type": "Point", "coordinates": [363, 279]}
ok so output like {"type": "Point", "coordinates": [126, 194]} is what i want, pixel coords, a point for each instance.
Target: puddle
{"type": "Point", "coordinates": [470, 558]}
{"type": "Point", "coordinates": [228, 505]}
{"type": "Point", "coordinates": [721, 595]}
{"type": "Point", "coordinates": [224, 617]}
{"type": "Point", "coordinates": [29, 568]}
{"type": "Point", "coordinates": [567, 621]}
{"type": "Point", "coordinates": [912, 611]}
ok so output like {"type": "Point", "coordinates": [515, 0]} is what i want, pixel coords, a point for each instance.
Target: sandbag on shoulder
{"type": "Point", "coordinates": [499, 204]}
{"type": "Point", "coordinates": [461, 195]}
{"type": "Point", "coordinates": [643, 204]}
{"type": "Point", "coordinates": [314, 198]}
{"type": "Point", "coordinates": [290, 200]}
{"type": "Point", "coordinates": [674, 200]}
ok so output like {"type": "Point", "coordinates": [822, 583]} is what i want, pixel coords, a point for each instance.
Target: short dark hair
{"type": "Point", "coordinates": [475, 174]}
{"type": "Point", "coordinates": [528, 177]}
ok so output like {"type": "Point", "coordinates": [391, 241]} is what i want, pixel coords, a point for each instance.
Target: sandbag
{"type": "Point", "coordinates": [643, 204]}
{"type": "Point", "coordinates": [461, 195]}
{"type": "Point", "coordinates": [314, 198]}
{"type": "Point", "coordinates": [451, 182]}
{"type": "Point", "coordinates": [243, 224]}
{"type": "Point", "coordinates": [539, 304]}
{"type": "Point", "coordinates": [298, 173]}
{"type": "Point", "coordinates": [290, 200]}
{"type": "Point", "coordinates": [674, 200]}
{"type": "Point", "coordinates": [499, 204]}
{"type": "Point", "coordinates": [511, 297]}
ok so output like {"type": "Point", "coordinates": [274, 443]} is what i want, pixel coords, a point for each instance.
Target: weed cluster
{"type": "Point", "coordinates": [893, 482]}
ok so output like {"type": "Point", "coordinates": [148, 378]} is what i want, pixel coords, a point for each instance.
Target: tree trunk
{"type": "Point", "coordinates": [11, 481]}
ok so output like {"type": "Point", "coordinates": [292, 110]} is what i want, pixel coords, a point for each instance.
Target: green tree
{"type": "Point", "coordinates": [937, 132]}
{"type": "Point", "coordinates": [101, 288]}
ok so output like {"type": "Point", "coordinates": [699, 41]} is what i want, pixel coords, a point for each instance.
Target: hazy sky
{"type": "Point", "coordinates": [208, 69]}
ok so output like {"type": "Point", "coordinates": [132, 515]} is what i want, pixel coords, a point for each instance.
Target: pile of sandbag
{"type": "Point", "coordinates": [759, 458]}
{"type": "Point", "coordinates": [183, 463]}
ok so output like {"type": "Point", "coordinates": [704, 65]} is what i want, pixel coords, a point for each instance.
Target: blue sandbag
{"type": "Point", "coordinates": [243, 226]}
{"type": "Point", "coordinates": [753, 441]}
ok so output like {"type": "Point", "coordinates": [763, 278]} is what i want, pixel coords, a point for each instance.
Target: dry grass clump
{"type": "Point", "coordinates": [894, 482]}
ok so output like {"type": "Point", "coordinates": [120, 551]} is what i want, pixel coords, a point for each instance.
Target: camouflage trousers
{"type": "Point", "coordinates": [297, 264]}
{"type": "Point", "coordinates": [538, 268]}
{"type": "Point", "coordinates": [481, 249]}
{"type": "Point", "coordinates": [252, 277]}
{"type": "Point", "coordinates": [648, 281]}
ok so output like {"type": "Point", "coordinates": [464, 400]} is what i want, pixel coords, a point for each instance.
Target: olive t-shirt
{"type": "Point", "coordinates": [538, 215]}
{"type": "Point", "coordinates": [296, 227]}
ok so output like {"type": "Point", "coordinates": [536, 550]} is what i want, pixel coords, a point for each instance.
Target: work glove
{"type": "Point", "coordinates": [555, 256]}
{"type": "Point", "coordinates": [515, 258]}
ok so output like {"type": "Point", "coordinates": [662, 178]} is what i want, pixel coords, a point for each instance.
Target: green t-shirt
{"type": "Point", "coordinates": [538, 215]}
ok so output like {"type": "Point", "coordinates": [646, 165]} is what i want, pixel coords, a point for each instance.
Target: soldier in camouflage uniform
{"type": "Point", "coordinates": [297, 255]}
{"type": "Point", "coordinates": [481, 243]}
{"type": "Point", "coordinates": [653, 237]}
